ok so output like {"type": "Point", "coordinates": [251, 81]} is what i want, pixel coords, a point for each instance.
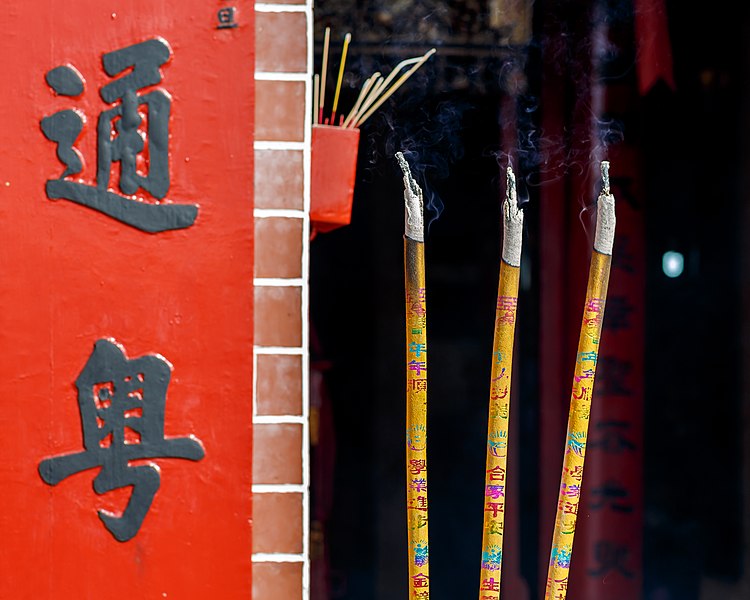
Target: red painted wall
{"type": "Point", "coordinates": [72, 275]}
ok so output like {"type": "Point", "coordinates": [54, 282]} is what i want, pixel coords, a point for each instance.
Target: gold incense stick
{"type": "Point", "coordinates": [416, 387]}
{"type": "Point", "coordinates": [324, 73]}
{"type": "Point", "coordinates": [499, 405]}
{"type": "Point", "coordinates": [389, 92]}
{"type": "Point", "coordinates": [347, 39]}
{"type": "Point", "coordinates": [580, 401]}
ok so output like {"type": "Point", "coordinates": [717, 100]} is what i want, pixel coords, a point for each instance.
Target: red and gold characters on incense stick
{"type": "Point", "coordinates": [580, 401]}
{"type": "Point", "coordinates": [416, 387]}
{"type": "Point", "coordinates": [499, 405]}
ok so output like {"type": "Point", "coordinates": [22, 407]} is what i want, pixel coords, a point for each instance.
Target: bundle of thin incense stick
{"type": "Point", "coordinates": [416, 386]}
{"type": "Point", "coordinates": [580, 401]}
{"type": "Point", "coordinates": [375, 90]}
{"type": "Point", "coordinates": [499, 405]}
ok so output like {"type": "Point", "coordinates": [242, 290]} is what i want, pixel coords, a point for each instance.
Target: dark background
{"type": "Point", "coordinates": [693, 154]}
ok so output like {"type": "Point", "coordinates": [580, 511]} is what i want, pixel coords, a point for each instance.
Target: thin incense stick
{"type": "Point", "coordinates": [388, 93]}
{"type": "Point", "coordinates": [316, 96]}
{"type": "Point", "coordinates": [362, 95]}
{"type": "Point", "coordinates": [580, 400]}
{"type": "Point", "coordinates": [347, 39]}
{"type": "Point", "coordinates": [373, 94]}
{"type": "Point", "coordinates": [416, 386]}
{"type": "Point", "coordinates": [381, 85]}
{"type": "Point", "coordinates": [324, 73]}
{"type": "Point", "coordinates": [392, 75]}
{"type": "Point", "coordinates": [499, 406]}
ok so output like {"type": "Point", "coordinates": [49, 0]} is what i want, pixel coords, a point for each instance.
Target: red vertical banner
{"type": "Point", "coordinates": [608, 548]}
{"type": "Point", "coordinates": [126, 337]}
{"type": "Point", "coordinates": [554, 329]}
{"type": "Point", "coordinates": [608, 553]}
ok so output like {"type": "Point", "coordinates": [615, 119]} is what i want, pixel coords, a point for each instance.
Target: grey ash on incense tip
{"type": "Point", "coordinates": [413, 203]}
{"type": "Point", "coordinates": [512, 222]}
{"type": "Point", "coordinates": [605, 215]}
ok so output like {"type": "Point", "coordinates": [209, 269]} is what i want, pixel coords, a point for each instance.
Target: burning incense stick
{"type": "Point", "coordinates": [347, 39]}
{"type": "Point", "coordinates": [324, 73]}
{"type": "Point", "coordinates": [499, 411]}
{"type": "Point", "coordinates": [580, 401]}
{"type": "Point", "coordinates": [416, 386]}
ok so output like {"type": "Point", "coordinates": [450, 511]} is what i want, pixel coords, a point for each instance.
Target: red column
{"type": "Point", "coordinates": [126, 194]}
{"type": "Point", "coordinates": [609, 541]}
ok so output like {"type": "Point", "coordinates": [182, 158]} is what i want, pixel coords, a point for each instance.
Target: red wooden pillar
{"type": "Point", "coordinates": [608, 553]}
{"type": "Point", "coordinates": [126, 261]}
{"type": "Point", "coordinates": [554, 334]}
{"type": "Point", "coordinates": [608, 542]}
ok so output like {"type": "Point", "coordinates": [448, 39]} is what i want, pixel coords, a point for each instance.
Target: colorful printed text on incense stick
{"type": "Point", "coordinates": [580, 411]}
{"type": "Point", "coordinates": [416, 387]}
{"type": "Point", "coordinates": [416, 425]}
{"type": "Point", "coordinates": [499, 408]}
{"type": "Point", "coordinates": [497, 434]}
{"type": "Point", "coordinates": [580, 401]}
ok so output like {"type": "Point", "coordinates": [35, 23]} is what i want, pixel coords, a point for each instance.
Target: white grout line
{"type": "Point", "coordinates": [279, 76]}
{"type": "Point", "coordinates": [255, 384]}
{"type": "Point", "coordinates": [276, 282]}
{"type": "Point", "coordinates": [285, 488]}
{"type": "Point", "coordinates": [278, 558]}
{"type": "Point", "coordinates": [274, 145]}
{"type": "Point", "coordinates": [306, 162]}
{"type": "Point", "coordinates": [286, 350]}
{"type": "Point", "coordinates": [278, 419]}
{"type": "Point", "coordinates": [267, 7]}
{"type": "Point", "coordinates": [268, 213]}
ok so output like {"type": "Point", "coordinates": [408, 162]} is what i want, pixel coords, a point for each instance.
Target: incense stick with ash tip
{"type": "Point", "coordinates": [499, 404]}
{"type": "Point", "coordinates": [580, 400]}
{"type": "Point", "coordinates": [416, 386]}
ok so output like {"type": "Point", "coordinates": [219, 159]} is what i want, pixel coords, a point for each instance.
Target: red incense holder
{"type": "Point", "coordinates": [334, 167]}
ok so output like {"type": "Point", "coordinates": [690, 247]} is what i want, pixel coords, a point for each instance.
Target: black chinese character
{"type": "Point", "coordinates": [225, 17]}
{"type": "Point", "coordinates": [622, 257]}
{"type": "Point", "coordinates": [618, 318]}
{"type": "Point", "coordinates": [613, 377]}
{"type": "Point", "coordinates": [610, 494]}
{"type": "Point", "coordinates": [122, 405]}
{"type": "Point", "coordinates": [120, 138]}
{"type": "Point", "coordinates": [610, 437]}
{"type": "Point", "coordinates": [611, 556]}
